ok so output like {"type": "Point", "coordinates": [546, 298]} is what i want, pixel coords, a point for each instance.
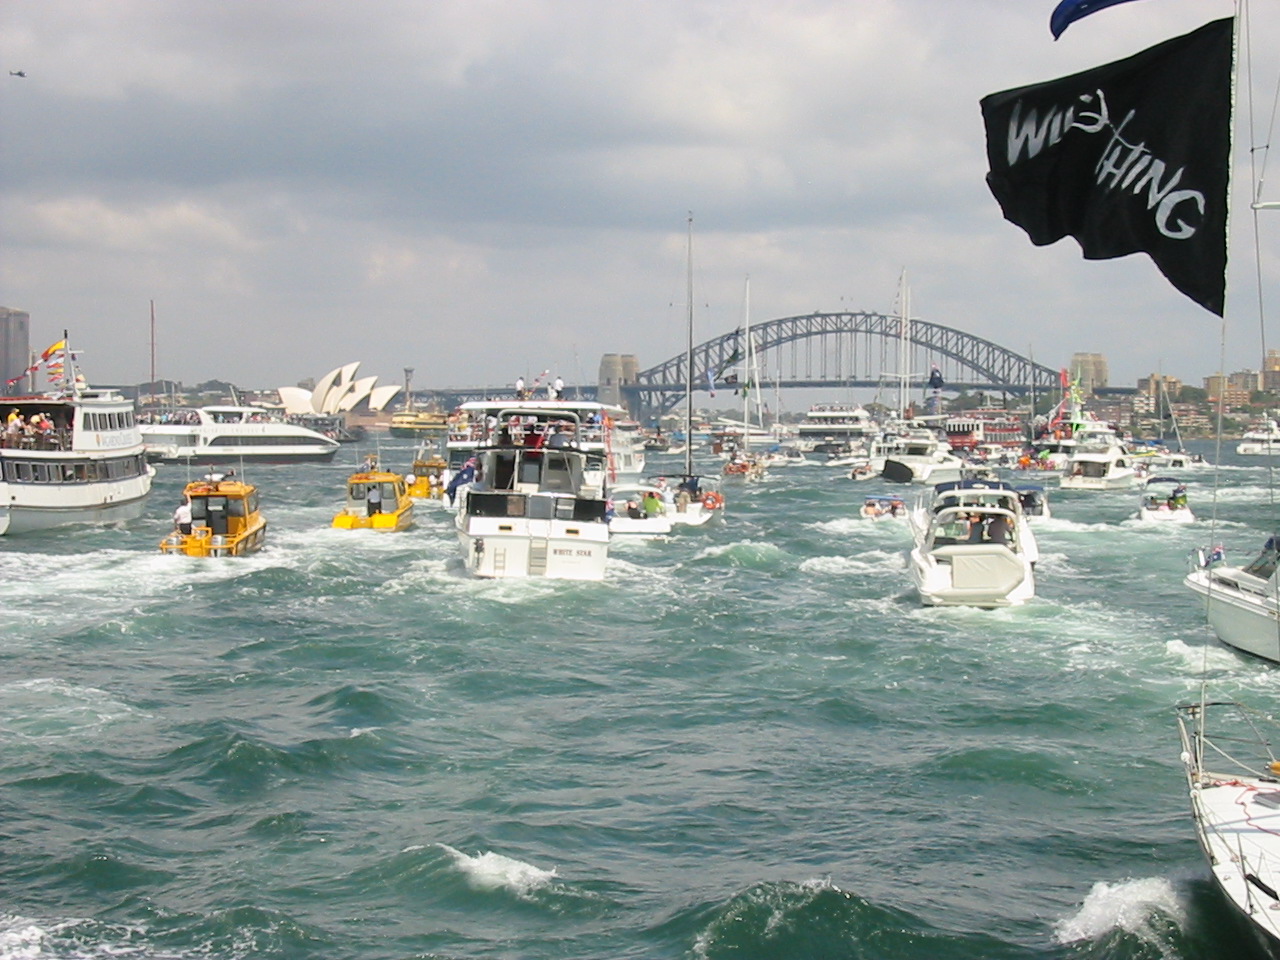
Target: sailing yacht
{"type": "Point", "coordinates": [699, 500]}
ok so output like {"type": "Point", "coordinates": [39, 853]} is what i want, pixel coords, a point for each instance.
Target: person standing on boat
{"type": "Point", "coordinates": [558, 389]}
{"type": "Point", "coordinates": [519, 388]}
{"type": "Point", "coordinates": [373, 499]}
{"type": "Point", "coordinates": [182, 517]}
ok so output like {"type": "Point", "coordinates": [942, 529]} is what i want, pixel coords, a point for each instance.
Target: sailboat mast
{"type": "Point", "coordinates": [903, 331]}
{"type": "Point", "coordinates": [153, 350]}
{"type": "Point", "coordinates": [688, 365]}
{"type": "Point", "coordinates": [749, 362]}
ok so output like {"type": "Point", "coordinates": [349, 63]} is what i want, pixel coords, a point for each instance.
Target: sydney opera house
{"type": "Point", "coordinates": [338, 391]}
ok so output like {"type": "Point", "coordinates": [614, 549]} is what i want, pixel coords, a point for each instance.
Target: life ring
{"type": "Point", "coordinates": [712, 500]}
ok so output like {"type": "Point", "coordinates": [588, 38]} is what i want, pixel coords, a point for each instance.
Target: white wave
{"type": "Point", "coordinates": [1128, 905]}
{"type": "Point", "coordinates": [21, 938]}
{"type": "Point", "coordinates": [493, 871]}
{"type": "Point", "coordinates": [872, 561]}
{"type": "Point", "coordinates": [1208, 658]}
{"type": "Point", "coordinates": [50, 708]}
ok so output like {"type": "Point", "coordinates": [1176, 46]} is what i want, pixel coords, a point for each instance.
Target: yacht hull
{"type": "Point", "coordinates": [551, 549]}
{"type": "Point", "coordinates": [1243, 619]}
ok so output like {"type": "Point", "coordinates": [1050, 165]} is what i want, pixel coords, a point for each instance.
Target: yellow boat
{"type": "Point", "coordinates": [225, 520]}
{"type": "Point", "coordinates": [427, 475]}
{"type": "Point", "coordinates": [376, 500]}
{"type": "Point", "coordinates": [419, 423]}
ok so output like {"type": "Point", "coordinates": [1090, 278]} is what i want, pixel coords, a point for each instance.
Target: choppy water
{"type": "Point", "coordinates": [750, 742]}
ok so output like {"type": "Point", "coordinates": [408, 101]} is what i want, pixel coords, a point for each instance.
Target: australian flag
{"type": "Point", "coordinates": [1128, 157]}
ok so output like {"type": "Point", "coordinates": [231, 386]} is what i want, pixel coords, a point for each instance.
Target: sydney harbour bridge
{"type": "Point", "coordinates": [818, 350]}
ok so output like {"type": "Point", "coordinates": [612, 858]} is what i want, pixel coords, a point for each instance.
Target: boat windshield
{"type": "Point", "coordinates": [1264, 565]}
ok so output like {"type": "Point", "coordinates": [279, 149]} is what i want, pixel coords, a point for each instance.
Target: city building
{"type": "Point", "coordinates": [1271, 372]}
{"type": "Point", "coordinates": [15, 345]}
{"type": "Point", "coordinates": [1089, 370]}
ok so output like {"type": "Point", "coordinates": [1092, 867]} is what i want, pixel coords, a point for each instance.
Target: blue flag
{"type": "Point", "coordinates": [1069, 11]}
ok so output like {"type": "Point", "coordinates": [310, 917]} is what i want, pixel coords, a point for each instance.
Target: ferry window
{"type": "Point", "coordinates": [356, 491]}
{"type": "Point", "coordinates": [129, 420]}
{"type": "Point", "coordinates": [10, 471]}
{"type": "Point", "coordinates": [24, 471]}
{"type": "Point", "coordinates": [253, 502]}
{"type": "Point", "coordinates": [198, 511]}
{"type": "Point", "coordinates": [95, 470]}
{"type": "Point", "coordinates": [235, 508]}
{"type": "Point", "coordinates": [42, 473]}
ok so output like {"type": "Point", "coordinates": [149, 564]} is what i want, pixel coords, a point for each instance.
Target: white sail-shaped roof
{"type": "Point", "coordinates": [359, 391]}
{"type": "Point", "coordinates": [379, 397]}
{"type": "Point", "coordinates": [295, 399]}
{"type": "Point", "coordinates": [323, 386]}
{"type": "Point", "coordinates": [329, 402]}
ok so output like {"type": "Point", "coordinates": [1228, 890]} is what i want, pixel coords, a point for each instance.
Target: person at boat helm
{"type": "Point", "coordinates": [373, 499]}
{"type": "Point", "coordinates": [562, 437]}
{"type": "Point", "coordinates": [182, 517]}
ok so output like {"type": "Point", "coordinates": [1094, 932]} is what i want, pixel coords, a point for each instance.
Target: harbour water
{"type": "Point", "coordinates": [748, 742]}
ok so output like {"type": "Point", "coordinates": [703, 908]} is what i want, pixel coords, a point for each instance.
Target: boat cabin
{"type": "Point", "coordinates": [225, 520]}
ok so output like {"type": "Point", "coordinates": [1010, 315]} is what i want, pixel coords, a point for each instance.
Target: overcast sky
{"type": "Point", "coordinates": [486, 188]}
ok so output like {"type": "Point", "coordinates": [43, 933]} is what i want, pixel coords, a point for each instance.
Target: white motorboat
{"type": "Point", "coordinates": [603, 430]}
{"type": "Point", "coordinates": [641, 511]}
{"type": "Point", "coordinates": [534, 511]}
{"type": "Point", "coordinates": [923, 458]}
{"type": "Point", "coordinates": [698, 500]}
{"type": "Point", "coordinates": [1242, 603]}
{"type": "Point", "coordinates": [1099, 461]}
{"type": "Point", "coordinates": [232, 434]}
{"type": "Point", "coordinates": [883, 508]}
{"type": "Point", "coordinates": [1260, 440]}
{"type": "Point", "coordinates": [973, 546]}
{"type": "Point", "coordinates": [1233, 778]}
{"type": "Point", "coordinates": [1164, 500]}
{"type": "Point", "coordinates": [77, 458]}
{"type": "Point", "coordinates": [1034, 500]}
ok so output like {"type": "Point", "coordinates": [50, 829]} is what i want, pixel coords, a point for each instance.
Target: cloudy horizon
{"type": "Point", "coordinates": [481, 190]}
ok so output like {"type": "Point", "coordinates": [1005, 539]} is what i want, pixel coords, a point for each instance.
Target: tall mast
{"type": "Point", "coordinates": [748, 363]}
{"type": "Point", "coordinates": [153, 350]}
{"type": "Point", "coordinates": [688, 366]}
{"type": "Point", "coordinates": [903, 336]}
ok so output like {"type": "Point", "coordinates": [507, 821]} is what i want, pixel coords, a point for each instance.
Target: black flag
{"type": "Point", "coordinates": [1129, 157]}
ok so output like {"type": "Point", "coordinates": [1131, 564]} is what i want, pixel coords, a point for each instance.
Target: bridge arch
{"type": "Point", "coordinates": [847, 344]}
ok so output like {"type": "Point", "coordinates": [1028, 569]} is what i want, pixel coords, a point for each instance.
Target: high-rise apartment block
{"type": "Point", "coordinates": [15, 345]}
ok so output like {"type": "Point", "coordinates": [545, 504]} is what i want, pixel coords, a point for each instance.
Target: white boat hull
{"type": "Point", "coordinates": [1165, 515]}
{"type": "Point", "coordinates": [1236, 812]}
{"type": "Point", "coordinates": [29, 512]}
{"type": "Point", "coordinates": [1246, 619]}
{"type": "Point", "coordinates": [554, 549]}
{"type": "Point", "coordinates": [1256, 449]}
{"type": "Point", "coordinates": [1114, 481]}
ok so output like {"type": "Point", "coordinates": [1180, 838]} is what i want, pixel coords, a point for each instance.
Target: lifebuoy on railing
{"type": "Point", "coordinates": [712, 500]}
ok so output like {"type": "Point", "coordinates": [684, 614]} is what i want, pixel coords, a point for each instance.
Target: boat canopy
{"type": "Point", "coordinates": [971, 484]}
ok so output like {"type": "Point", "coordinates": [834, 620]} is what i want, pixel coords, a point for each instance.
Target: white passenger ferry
{"type": "Point", "coordinates": [74, 456]}
{"type": "Point", "coordinates": [232, 434]}
{"type": "Point", "coordinates": [603, 430]}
